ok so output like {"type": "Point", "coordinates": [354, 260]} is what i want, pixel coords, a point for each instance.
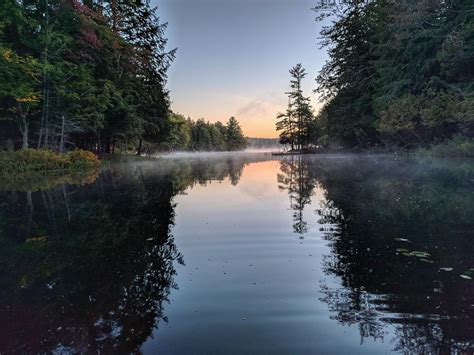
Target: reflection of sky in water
{"type": "Point", "coordinates": [249, 283]}
{"type": "Point", "coordinates": [376, 267]}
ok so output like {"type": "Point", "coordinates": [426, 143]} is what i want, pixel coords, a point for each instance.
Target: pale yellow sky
{"type": "Point", "coordinates": [256, 115]}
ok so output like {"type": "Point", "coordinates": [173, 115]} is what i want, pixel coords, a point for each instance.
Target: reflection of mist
{"type": "Point", "coordinates": [378, 206]}
{"type": "Point", "coordinates": [89, 269]}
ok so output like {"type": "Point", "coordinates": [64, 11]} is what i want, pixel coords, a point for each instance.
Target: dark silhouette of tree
{"type": "Point", "coordinates": [296, 124]}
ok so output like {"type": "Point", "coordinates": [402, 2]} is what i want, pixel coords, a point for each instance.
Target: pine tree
{"type": "Point", "coordinates": [235, 137]}
{"type": "Point", "coordinates": [296, 124]}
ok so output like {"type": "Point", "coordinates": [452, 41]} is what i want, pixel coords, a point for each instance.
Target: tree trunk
{"type": "Point", "coordinates": [61, 137]}
{"type": "Point", "coordinates": [106, 149]}
{"type": "Point", "coordinates": [45, 110]}
{"type": "Point", "coordinates": [24, 129]}
{"type": "Point", "coordinates": [25, 136]}
{"type": "Point", "coordinates": [139, 150]}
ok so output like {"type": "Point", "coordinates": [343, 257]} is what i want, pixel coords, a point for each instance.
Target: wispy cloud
{"type": "Point", "coordinates": [261, 108]}
{"type": "Point", "coordinates": [256, 107]}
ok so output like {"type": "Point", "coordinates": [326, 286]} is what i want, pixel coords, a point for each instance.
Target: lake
{"type": "Point", "coordinates": [241, 253]}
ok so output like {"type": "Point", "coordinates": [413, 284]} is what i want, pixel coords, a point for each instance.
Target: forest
{"type": "Point", "coordinates": [91, 75]}
{"type": "Point", "coordinates": [399, 74]}
{"type": "Point", "coordinates": [200, 135]}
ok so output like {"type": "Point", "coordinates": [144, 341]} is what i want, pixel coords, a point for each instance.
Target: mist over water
{"type": "Point", "coordinates": [217, 154]}
{"type": "Point", "coordinates": [244, 253]}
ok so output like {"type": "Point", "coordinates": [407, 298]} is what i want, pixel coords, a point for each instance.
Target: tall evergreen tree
{"type": "Point", "coordinates": [235, 137]}
{"type": "Point", "coordinates": [92, 73]}
{"type": "Point", "coordinates": [296, 125]}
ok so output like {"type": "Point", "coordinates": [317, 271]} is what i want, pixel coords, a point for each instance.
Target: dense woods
{"type": "Point", "coordinates": [86, 74]}
{"type": "Point", "coordinates": [187, 134]}
{"type": "Point", "coordinates": [90, 74]}
{"type": "Point", "coordinates": [399, 73]}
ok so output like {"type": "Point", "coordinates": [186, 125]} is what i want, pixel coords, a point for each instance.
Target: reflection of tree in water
{"type": "Point", "coordinates": [89, 269]}
{"type": "Point", "coordinates": [205, 170]}
{"type": "Point", "coordinates": [295, 178]}
{"type": "Point", "coordinates": [379, 202]}
{"type": "Point", "coordinates": [44, 181]}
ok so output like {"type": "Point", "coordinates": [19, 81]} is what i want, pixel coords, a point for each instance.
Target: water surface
{"type": "Point", "coordinates": [241, 253]}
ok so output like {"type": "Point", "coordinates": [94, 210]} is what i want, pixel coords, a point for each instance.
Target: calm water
{"type": "Point", "coordinates": [242, 254]}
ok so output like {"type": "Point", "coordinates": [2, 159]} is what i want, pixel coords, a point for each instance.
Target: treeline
{"type": "Point", "coordinates": [82, 73]}
{"type": "Point", "coordinates": [399, 73]}
{"type": "Point", "coordinates": [187, 134]}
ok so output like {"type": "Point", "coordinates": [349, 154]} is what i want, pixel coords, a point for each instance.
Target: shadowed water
{"type": "Point", "coordinates": [241, 253]}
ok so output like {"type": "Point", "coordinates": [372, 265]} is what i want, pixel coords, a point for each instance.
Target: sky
{"type": "Point", "coordinates": [234, 55]}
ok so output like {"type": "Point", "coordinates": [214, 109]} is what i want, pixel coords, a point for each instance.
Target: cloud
{"type": "Point", "coordinates": [253, 107]}
{"type": "Point", "coordinates": [260, 108]}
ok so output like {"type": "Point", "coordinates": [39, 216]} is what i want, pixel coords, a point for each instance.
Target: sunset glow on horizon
{"type": "Point", "coordinates": [257, 117]}
{"type": "Point", "coordinates": [233, 58]}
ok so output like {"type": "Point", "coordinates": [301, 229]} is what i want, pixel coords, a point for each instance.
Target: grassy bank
{"type": "Point", "coordinates": [36, 160]}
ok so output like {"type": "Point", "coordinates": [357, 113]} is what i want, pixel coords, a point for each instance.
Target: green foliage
{"type": "Point", "coordinates": [83, 74]}
{"type": "Point", "coordinates": [180, 133]}
{"type": "Point", "coordinates": [401, 114]}
{"type": "Point", "coordinates": [235, 139]}
{"type": "Point", "coordinates": [398, 73]}
{"type": "Point", "coordinates": [31, 160]}
{"type": "Point", "coordinates": [205, 136]}
{"type": "Point", "coordinates": [296, 125]}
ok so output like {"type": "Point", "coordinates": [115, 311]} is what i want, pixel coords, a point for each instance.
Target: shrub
{"type": "Point", "coordinates": [83, 159]}
{"type": "Point", "coordinates": [30, 160]}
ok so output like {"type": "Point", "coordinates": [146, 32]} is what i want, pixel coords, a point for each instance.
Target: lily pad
{"type": "Point", "coordinates": [420, 254]}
